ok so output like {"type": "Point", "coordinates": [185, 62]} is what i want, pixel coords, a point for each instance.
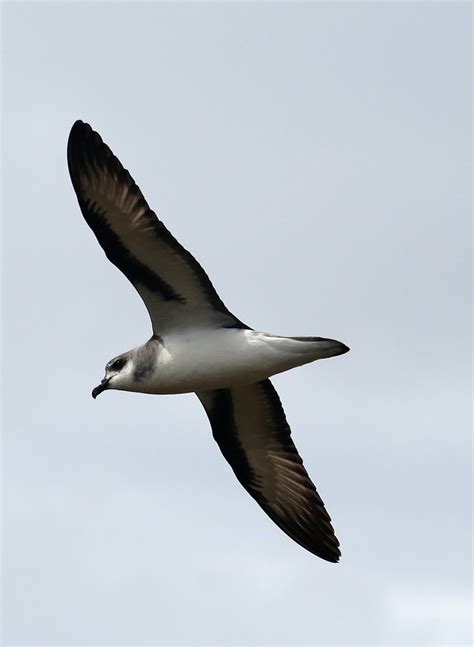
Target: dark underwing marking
{"type": "Point", "coordinates": [221, 417]}
{"type": "Point", "coordinates": [135, 271]}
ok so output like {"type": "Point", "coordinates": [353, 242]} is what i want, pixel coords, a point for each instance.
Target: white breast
{"type": "Point", "coordinates": [202, 360]}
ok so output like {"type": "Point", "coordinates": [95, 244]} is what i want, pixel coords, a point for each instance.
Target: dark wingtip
{"type": "Point", "coordinates": [80, 125]}
{"type": "Point", "coordinates": [84, 150]}
{"type": "Point", "coordinates": [77, 137]}
{"type": "Point", "coordinates": [80, 133]}
{"type": "Point", "coordinates": [79, 129]}
{"type": "Point", "coordinates": [328, 549]}
{"type": "Point", "coordinates": [332, 557]}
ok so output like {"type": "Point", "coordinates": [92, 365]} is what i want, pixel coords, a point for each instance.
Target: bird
{"type": "Point", "coordinates": [198, 346]}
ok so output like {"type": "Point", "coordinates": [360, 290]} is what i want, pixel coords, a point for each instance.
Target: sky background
{"type": "Point", "coordinates": [316, 160]}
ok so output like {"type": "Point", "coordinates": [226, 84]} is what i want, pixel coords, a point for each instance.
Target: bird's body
{"type": "Point", "coordinates": [197, 360]}
{"type": "Point", "coordinates": [199, 346]}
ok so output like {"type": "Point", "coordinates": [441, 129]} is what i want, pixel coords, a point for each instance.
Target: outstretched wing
{"type": "Point", "coordinates": [175, 288]}
{"type": "Point", "coordinates": [250, 427]}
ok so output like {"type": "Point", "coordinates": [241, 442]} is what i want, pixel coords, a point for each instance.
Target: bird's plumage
{"type": "Point", "coordinates": [250, 427]}
{"type": "Point", "coordinates": [169, 279]}
{"type": "Point", "coordinates": [199, 345]}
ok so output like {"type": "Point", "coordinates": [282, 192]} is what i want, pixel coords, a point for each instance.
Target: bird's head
{"type": "Point", "coordinates": [118, 374]}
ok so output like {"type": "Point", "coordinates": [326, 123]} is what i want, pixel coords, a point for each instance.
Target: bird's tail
{"type": "Point", "coordinates": [321, 346]}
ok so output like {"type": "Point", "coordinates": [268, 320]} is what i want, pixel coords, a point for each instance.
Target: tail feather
{"type": "Point", "coordinates": [326, 347]}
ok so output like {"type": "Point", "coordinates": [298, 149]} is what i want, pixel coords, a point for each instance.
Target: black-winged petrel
{"type": "Point", "coordinates": [199, 346]}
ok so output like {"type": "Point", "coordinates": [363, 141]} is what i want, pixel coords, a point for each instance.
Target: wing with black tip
{"type": "Point", "coordinates": [175, 288]}
{"type": "Point", "coordinates": [250, 427]}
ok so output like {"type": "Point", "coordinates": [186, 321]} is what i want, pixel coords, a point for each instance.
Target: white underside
{"type": "Point", "coordinates": [223, 358]}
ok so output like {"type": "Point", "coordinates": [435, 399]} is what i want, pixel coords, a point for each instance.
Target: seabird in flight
{"type": "Point", "coordinates": [199, 346]}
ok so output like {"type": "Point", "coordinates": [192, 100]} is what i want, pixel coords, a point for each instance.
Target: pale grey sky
{"type": "Point", "coordinates": [316, 160]}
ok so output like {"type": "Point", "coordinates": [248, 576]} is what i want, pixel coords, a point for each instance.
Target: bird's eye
{"type": "Point", "coordinates": [117, 364]}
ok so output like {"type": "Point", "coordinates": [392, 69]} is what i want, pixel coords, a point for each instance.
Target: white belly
{"type": "Point", "coordinates": [206, 360]}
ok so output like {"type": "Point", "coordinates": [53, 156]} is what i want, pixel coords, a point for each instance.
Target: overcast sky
{"type": "Point", "coordinates": [316, 160]}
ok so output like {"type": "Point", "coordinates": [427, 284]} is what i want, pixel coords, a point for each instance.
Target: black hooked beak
{"type": "Point", "coordinates": [102, 387]}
